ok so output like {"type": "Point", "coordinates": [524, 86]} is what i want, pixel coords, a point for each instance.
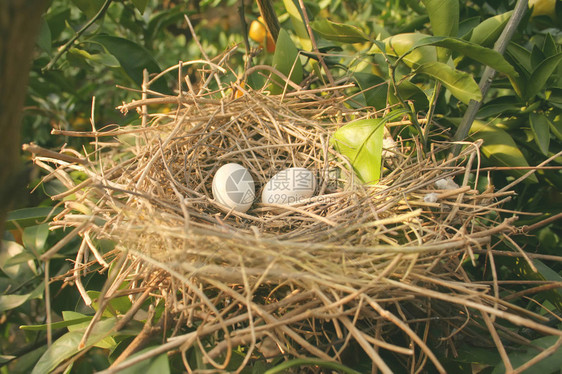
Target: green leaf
{"type": "Point", "coordinates": [6, 358]}
{"type": "Point", "coordinates": [536, 56]}
{"type": "Point", "coordinates": [461, 84]}
{"type": "Point", "coordinates": [540, 75]}
{"type": "Point", "coordinates": [67, 346]}
{"type": "Point", "coordinates": [44, 37]}
{"type": "Point", "coordinates": [467, 26]}
{"type": "Point", "coordinates": [89, 7]}
{"type": "Point", "coordinates": [30, 216]}
{"type": "Point", "coordinates": [373, 89]}
{"type": "Point", "coordinates": [308, 362]}
{"type": "Point", "coordinates": [57, 325]}
{"type": "Point", "coordinates": [160, 21]}
{"type": "Point", "coordinates": [492, 110]}
{"type": "Point", "coordinates": [544, 273]}
{"type": "Point", "coordinates": [63, 348]}
{"type": "Point", "coordinates": [298, 24]}
{"type": "Point", "coordinates": [401, 46]}
{"type": "Point", "coordinates": [409, 91]}
{"type": "Point", "coordinates": [339, 32]}
{"type": "Point", "coordinates": [17, 270]}
{"type": "Point", "coordinates": [444, 18]}
{"type": "Point", "coordinates": [35, 237]}
{"type": "Point", "coordinates": [133, 58]}
{"type": "Point", "coordinates": [520, 57]}
{"type": "Point", "coordinates": [500, 147]}
{"type": "Point", "coordinates": [540, 125]}
{"type": "Point", "coordinates": [483, 55]}
{"type": "Point", "coordinates": [98, 58]}
{"type": "Point", "coordinates": [556, 126]}
{"type": "Point", "coordinates": [140, 5]}
{"type": "Point", "coordinates": [549, 47]}
{"type": "Point", "coordinates": [153, 365]}
{"type": "Point", "coordinates": [476, 355]}
{"type": "Point", "coordinates": [550, 364]}
{"type": "Point", "coordinates": [79, 322]}
{"type": "Point", "coordinates": [286, 60]}
{"type": "Point", "coordinates": [116, 306]}
{"type": "Point", "coordinates": [361, 142]}
{"type": "Point", "coordinates": [8, 302]}
{"type": "Point", "coordinates": [20, 258]}
{"type": "Point", "coordinates": [489, 30]}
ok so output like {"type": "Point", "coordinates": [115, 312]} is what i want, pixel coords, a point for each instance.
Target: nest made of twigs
{"type": "Point", "coordinates": [351, 266]}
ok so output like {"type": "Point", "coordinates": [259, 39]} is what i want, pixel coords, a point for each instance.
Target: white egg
{"type": "Point", "coordinates": [289, 186]}
{"type": "Point", "coordinates": [233, 186]}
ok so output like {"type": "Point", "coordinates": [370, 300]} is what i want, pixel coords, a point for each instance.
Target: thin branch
{"type": "Point", "coordinates": [68, 44]}
{"type": "Point", "coordinates": [489, 73]}
{"type": "Point", "coordinates": [314, 45]}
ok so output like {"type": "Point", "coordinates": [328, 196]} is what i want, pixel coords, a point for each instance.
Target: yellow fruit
{"type": "Point", "coordinates": [259, 34]}
{"type": "Point", "coordinates": [239, 93]}
{"type": "Point", "coordinates": [543, 8]}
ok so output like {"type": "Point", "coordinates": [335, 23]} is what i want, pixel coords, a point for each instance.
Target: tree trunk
{"type": "Point", "coordinates": [19, 25]}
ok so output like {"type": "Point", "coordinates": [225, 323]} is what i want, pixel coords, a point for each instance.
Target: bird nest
{"type": "Point", "coordinates": [357, 270]}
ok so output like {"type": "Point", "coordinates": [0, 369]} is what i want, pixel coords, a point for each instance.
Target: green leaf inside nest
{"type": "Point", "coordinates": [361, 142]}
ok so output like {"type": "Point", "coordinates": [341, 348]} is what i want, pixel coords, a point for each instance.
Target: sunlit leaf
{"type": "Point", "coordinates": [499, 146]}
{"type": "Point", "coordinates": [462, 85]}
{"type": "Point", "coordinates": [68, 345]}
{"type": "Point", "coordinates": [483, 55]}
{"type": "Point", "coordinates": [339, 32]}
{"type": "Point", "coordinates": [298, 24]}
{"type": "Point", "coordinates": [97, 58]}
{"type": "Point", "coordinates": [489, 30]}
{"type": "Point", "coordinates": [401, 46]}
{"type": "Point", "coordinates": [444, 18]}
{"type": "Point", "coordinates": [361, 142]}
{"type": "Point", "coordinates": [540, 125]}
{"type": "Point", "coordinates": [116, 306]}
